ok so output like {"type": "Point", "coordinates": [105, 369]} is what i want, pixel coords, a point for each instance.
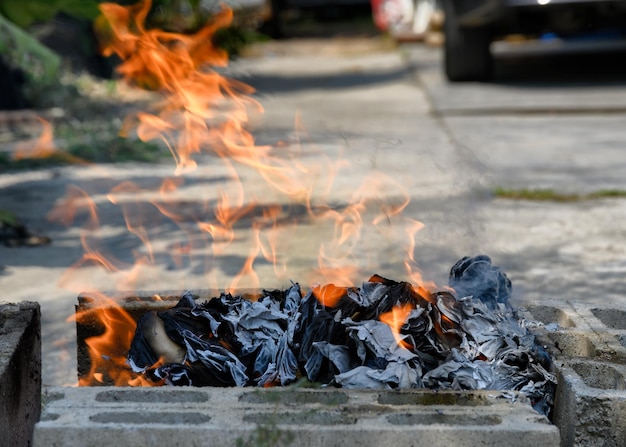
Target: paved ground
{"type": "Point", "coordinates": [386, 112]}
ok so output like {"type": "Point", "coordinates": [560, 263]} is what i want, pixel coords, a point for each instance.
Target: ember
{"type": "Point", "coordinates": [383, 335]}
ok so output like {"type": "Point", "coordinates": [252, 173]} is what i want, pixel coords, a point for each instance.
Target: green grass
{"type": "Point", "coordinates": [117, 149]}
{"type": "Point", "coordinates": [106, 150]}
{"type": "Point", "coordinates": [549, 195]}
{"type": "Point", "coordinates": [607, 193]}
{"type": "Point", "coordinates": [235, 39]}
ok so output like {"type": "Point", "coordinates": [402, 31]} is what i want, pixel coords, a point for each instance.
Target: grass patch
{"type": "Point", "coordinates": [117, 149]}
{"type": "Point", "coordinates": [543, 195]}
{"type": "Point", "coordinates": [107, 150]}
{"type": "Point", "coordinates": [549, 195]}
{"type": "Point", "coordinates": [607, 193]}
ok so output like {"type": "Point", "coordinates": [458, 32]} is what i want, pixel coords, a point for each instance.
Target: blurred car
{"type": "Point", "coordinates": [470, 26]}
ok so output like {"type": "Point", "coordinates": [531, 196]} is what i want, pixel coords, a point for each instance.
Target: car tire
{"type": "Point", "coordinates": [467, 56]}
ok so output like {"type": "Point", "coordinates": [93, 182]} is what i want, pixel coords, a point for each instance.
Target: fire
{"type": "Point", "coordinates": [118, 328]}
{"type": "Point", "coordinates": [395, 319]}
{"type": "Point", "coordinates": [329, 294]}
{"type": "Point", "coordinates": [201, 110]}
{"type": "Point", "coordinates": [156, 58]}
{"type": "Point", "coordinates": [205, 113]}
{"type": "Point", "coordinates": [42, 147]}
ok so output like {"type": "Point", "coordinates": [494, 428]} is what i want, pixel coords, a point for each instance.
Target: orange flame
{"type": "Point", "coordinates": [203, 108]}
{"type": "Point", "coordinates": [204, 112]}
{"type": "Point", "coordinates": [329, 294]}
{"type": "Point", "coordinates": [157, 58]}
{"type": "Point", "coordinates": [42, 147]}
{"type": "Point", "coordinates": [108, 351]}
{"type": "Point", "coordinates": [395, 319]}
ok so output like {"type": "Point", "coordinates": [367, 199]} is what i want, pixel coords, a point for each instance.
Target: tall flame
{"type": "Point", "coordinates": [204, 113]}
{"type": "Point", "coordinates": [109, 350]}
{"type": "Point", "coordinates": [395, 319]}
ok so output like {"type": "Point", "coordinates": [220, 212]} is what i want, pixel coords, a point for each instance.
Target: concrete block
{"type": "Point", "coordinates": [20, 372]}
{"type": "Point", "coordinates": [589, 349]}
{"type": "Point", "coordinates": [591, 403]}
{"type": "Point", "coordinates": [288, 416]}
{"type": "Point", "coordinates": [451, 421]}
{"type": "Point", "coordinates": [587, 344]}
{"type": "Point", "coordinates": [135, 304]}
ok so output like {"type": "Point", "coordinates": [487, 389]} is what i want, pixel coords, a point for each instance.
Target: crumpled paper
{"type": "Point", "coordinates": [464, 337]}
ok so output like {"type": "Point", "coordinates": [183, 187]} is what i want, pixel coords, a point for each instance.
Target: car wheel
{"type": "Point", "coordinates": [467, 56]}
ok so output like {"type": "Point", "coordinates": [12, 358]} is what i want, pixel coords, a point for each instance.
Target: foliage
{"type": "Point", "coordinates": [180, 16]}
{"type": "Point", "coordinates": [26, 12]}
{"type": "Point", "coordinates": [188, 16]}
{"type": "Point", "coordinates": [104, 150]}
{"type": "Point", "coordinates": [117, 149]}
{"type": "Point", "coordinates": [23, 51]}
{"type": "Point", "coordinates": [235, 38]}
{"type": "Point", "coordinates": [8, 219]}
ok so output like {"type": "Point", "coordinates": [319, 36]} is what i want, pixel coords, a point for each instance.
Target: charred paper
{"type": "Point", "coordinates": [463, 338]}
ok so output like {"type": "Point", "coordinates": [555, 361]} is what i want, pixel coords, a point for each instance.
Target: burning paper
{"type": "Point", "coordinates": [383, 335]}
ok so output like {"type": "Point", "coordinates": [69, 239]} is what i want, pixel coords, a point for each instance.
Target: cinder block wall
{"type": "Point", "coordinates": [20, 372]}
{"type": "Point", "coordinates": [318, 417]}
{"type": "Point", "coordinates": [589, 351]}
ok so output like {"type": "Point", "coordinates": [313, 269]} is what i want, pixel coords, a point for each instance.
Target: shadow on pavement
{"type": "Point", "coordinates": [285, 84]}
{"type": "Point", "coordinates": [562, 70]}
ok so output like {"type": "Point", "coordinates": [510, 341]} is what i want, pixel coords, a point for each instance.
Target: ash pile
{"type": "Point", "coordinates": [466, 337]}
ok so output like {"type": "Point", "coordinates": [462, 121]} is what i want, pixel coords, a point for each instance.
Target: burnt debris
{"type": "Point", "coordinates": [465, 337]}
{"type": "Point", "coordinates": [14, 233]}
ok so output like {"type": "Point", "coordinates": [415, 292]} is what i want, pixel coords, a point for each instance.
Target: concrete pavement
{"type": "Point", "coordinates": [386, 111]}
